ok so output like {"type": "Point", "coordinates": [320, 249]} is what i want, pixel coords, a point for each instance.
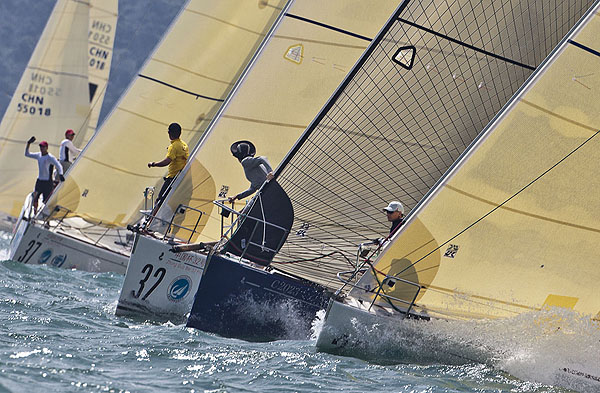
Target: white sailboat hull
{"type": "Point", "coordinates": [35, 244]}
{"type": "Point", "coordinates": [341, 328]}
{"type": "Point", "coordinates": [159, 283]}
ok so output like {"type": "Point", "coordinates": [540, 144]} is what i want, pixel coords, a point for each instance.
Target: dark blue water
{"type": "Point", "coordinates": [59, 333]}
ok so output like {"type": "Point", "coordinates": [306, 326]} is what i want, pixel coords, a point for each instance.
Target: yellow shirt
{"type": "Point", "coordinates": [178, 152]}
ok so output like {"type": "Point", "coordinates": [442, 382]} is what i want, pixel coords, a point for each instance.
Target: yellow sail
{"type": "Point", "coordinates": [52, 96]}
{"type": "Point", "coordinates": [185, 80]}
{"type": "Point", "coordinates": [515, 225]}
{"type": "Point", "coordinates": [101, 38]}
{"type": "Point", "coordinates": [434, 77]}
{"type": "Point", "coordinates": [311, 51]}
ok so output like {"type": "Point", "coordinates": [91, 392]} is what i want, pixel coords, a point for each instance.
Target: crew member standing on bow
{"type": "Point", "coordinates": [44, 184]}
{"type": "Point", "coordinates": [257, 169]}
{"type": "Point", "coordinates": [177, 156]}
{"type": "Point", "coordinates": [68, 151]}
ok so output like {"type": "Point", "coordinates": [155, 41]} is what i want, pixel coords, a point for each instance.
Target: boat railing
{"type": "Point", "coordinates": [58, 210]}
{"type": "Point", "coordinates": [170, 224]}
{"type": "Point", "coordinates": [149, 198]}
{"type": "Point", "coordinates": [226, 212]}
{"type": "Point", "coordinates": [388, 280]}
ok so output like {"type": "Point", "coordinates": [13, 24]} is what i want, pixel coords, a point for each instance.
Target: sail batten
{"type": "Point", "coordinates": [439, 72]}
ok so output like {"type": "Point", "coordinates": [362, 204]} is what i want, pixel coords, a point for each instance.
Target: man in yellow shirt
{"type": "Point", "coordinates": [177, 155]}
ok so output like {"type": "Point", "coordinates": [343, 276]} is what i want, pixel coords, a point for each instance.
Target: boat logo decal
{"type": "Point", "coordinates": [302, 231]}
{"type": "Point", "coordinates": [451, 251]}
{"type": "Point", "coordinates": [58, 260]}
{"type": "Point", "coordinates": [224, 191]}
{"type": "Point", "coordinates": [179, 288]}
{"type": "Point", "coordinates": [295, 53]}
{"type": "Point", "coordinates": [45, 257]}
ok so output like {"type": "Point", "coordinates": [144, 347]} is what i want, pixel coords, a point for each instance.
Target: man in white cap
{"type": "Point", "coordinates": [395, 214]}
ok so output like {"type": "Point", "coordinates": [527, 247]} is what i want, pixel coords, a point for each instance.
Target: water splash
{"type": "Point", "coordinates": [555, 346]}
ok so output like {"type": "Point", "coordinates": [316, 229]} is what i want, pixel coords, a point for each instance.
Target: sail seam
{"type": "Point", "coordinates": [503, 203]}
{"type": "Point", "coordinates": [462, 43]}
{"type": "Point", "coordinates": [58, 73]}
{"type": "Point", "coordinates": [180, 89]}
{"type": "Point", "coordinates": [585, 48]}
{"type": "Point", "coordinates": [314, 22]}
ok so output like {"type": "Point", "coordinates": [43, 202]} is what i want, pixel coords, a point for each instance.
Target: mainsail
{"type": "Point", "coordinates": [432, 79]}
{"type": "Point", "coordinates": [311, 51]}
{"type": "Point", "coordinates": [514, 226]}
{"type": "Point", "coordinates": [185, 80]}
{"type": "Point", "coordinates": [52, 96]}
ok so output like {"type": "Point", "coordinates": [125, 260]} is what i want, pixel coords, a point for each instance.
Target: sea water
{"type": "Point", "coordinates": [59, 333]}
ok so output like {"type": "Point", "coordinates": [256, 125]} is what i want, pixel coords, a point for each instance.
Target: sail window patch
{"type": "Point", "coordinates": [295, 53]}
{"type": "Point", "coordinates": [405, 56]}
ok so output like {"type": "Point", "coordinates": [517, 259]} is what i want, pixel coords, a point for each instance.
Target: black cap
{"type": "Point", "coordinates": [243, 149]}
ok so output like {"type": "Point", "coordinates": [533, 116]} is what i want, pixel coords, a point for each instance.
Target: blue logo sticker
{"type": "Point", "coordinates": [59, 260]}
{"type": "Point", "coordinates": [45, 257]}
{"type": "Point", "coordinates": [179, 288]}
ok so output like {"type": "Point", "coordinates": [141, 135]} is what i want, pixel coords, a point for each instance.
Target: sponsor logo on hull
{"type": "Point", "coordinates": [179, 288]}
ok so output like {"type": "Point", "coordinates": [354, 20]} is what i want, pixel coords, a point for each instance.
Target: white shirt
{"type": "Point", "coordinates": [44, 163]}
{"type": "Point", "coordinates": [68, 151]}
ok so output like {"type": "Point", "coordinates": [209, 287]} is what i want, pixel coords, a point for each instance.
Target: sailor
{"type": "Point", "coordinates": [46, 164]}
{"type": "Point", "coordinates": [68, 151]}
{"type": "Point", "coordinates": [395, 215]}
{"type": "Point", "coordinates": [257, 169]}
{"type": "Point", "coordinates": [177, 156]}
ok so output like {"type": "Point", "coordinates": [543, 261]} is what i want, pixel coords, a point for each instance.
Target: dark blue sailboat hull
{"type": "Point", "coordinates": [238, 300]}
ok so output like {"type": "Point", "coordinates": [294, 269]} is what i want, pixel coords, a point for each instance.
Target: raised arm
{"type": "Point", "coordinates": [27, 153]}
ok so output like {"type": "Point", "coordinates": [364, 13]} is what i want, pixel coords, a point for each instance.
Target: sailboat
{"type": "Point", "coordinates": [185, 80]}
{"type": "Point", "coordinates": [303, 60]}
{"type": "Point", "coordinates": [419, 95]}
{"type": "Point", "coordinates": [512, 227]}
{"type": "Point", "coordinates": [61, 88]}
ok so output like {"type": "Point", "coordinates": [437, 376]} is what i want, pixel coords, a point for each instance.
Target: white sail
{"type": "Point", "coordinates": [311, 51]}
{"type": "Point", "coordinates": [51, 97]}
{"type": "Point", "coordinates": [435, 76]}
{"type": "Point", "coordinates": [514, 226]}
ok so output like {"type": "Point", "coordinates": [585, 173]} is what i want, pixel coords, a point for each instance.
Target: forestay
{"type": "Point", "coordinates": [313, 48]}
{"type": "Point", "coordinates": [431, 81]}
{"type": "Point", "coordinates": [52, 96]}
{"type": "Point", "coordinates": [514, 226]}
{"type": "Point", "coordinates": [185, 80]}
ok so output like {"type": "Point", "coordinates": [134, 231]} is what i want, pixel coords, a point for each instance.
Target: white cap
{"type": "Point", "coordinates": [394, 206]}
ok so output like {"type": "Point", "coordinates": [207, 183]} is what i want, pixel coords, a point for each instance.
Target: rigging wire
{"type": "Point", "coordinates": [505, 202]}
